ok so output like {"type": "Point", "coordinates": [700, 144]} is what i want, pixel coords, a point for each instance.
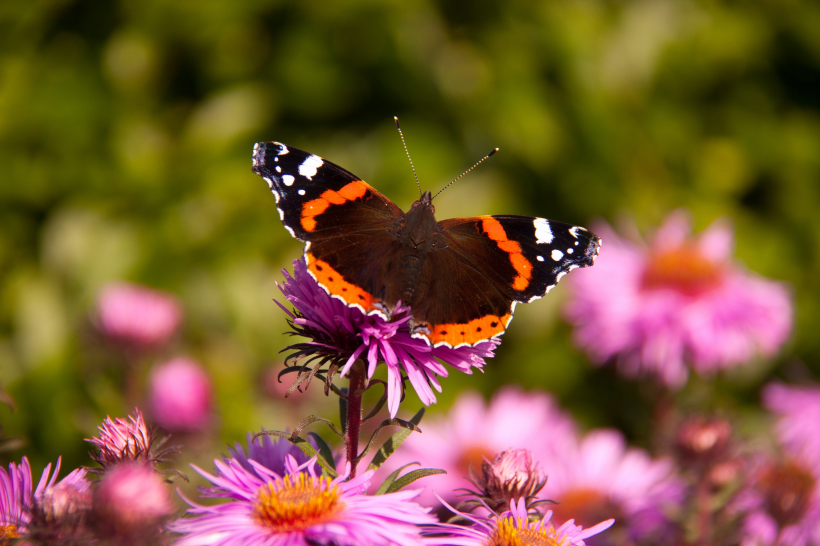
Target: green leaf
{"type": "Point", "coordinates": [393, 443]}
{"type": "Point", "coordinates": [324, 450]}
{"type": "Point", "coordinates": [410, 477]}
{"type": "Point", "coordinates": [391, 478]}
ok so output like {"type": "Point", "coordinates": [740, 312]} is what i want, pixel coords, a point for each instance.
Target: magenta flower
{"type": "Point", "coordinates": [512, 528]}
{"type": "Point", "coordinates": [341, 334]}
{"type": "Point", "coordinates": [180, 395]}
{"type": "Point", "coordinates": [474, 432]}
{"type": "Point", "coordinates": [679, 302]}
{"type": "Point", "coordinates": [299, 508]}
{"type": "Point", "coordinates": [124, 441]}
{"type": "Point", "coordinates": [798, 428]}
{"type": "Point", "coordinates": [130, 503]}
{"type": "Point", "coordinates": [137, 316]}
{"type": "Point", "coordinates": [597, 477]}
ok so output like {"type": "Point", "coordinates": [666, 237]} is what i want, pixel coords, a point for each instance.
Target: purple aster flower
{"type": "Point", "coordinates": [680, 301]}
{"type": "Point", "coordinates": [474, 432]}
{"type": "Point", "coordinates": [269, 453]}
{"type": "Point", "coordinates": [798, 428]}
{"type": "Point", "coordinates": [299, 508]}
{"type": "Point", "coordinates": [597, 477]}
{"type": "Point", "coordinates": [340, 335]}
{"type": "Point", "coordinates": [512, 528]}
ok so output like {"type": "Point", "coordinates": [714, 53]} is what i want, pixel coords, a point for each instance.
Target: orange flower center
{"type": "Point", "coordinates": [510, 533]}
{"type": "Point", "coordinates": [7, 534]}
{"type": "Point", "coordinates": [684, 269]}
{"type": "Point", "coordinates": [297, 502]}
{"type": "Point", "coordinates": [472, 456]}
{"type": "Point", "coordinates": [586, 506]}
{"type": "Point", "coordinates": [788, 488]}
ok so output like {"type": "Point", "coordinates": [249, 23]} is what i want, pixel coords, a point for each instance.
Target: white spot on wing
{"type": "Point", "coordinates": [278, 169]}
{"type": "Point", "coordinates": [275, 195]}
{"type": "Point", "coordinates": [574, 231]}
{"type": "Point", "coordinates": [310, 165]}
{"type": "Point", "coordinates": [301, 192]}
{"type": "Point", "coordinates": [288, 180]}
{"type": "Point", "coordinates": [283, 150]}
{"type": "Point", "coordinates": [570, 251]}
{"type": "Point", "coordinates": [556, 255]}
{"type": "Point", "coordinates": [540, 258]}
{"type": "Point", "coordinates": [543, 232]}
{"type": "Point", "coordinates": [269, 181]}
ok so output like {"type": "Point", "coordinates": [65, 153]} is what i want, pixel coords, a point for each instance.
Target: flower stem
{"type": "Point", "coordinates": [353, 425]}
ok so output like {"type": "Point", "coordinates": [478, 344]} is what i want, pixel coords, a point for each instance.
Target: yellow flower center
{"type": "Point", "coordinates": [7, 534]}
{"type": "Point", "coordinates": [508, 532]}
{"type": "Point", "coordinates": [683, 268]}
{"type": "Point", "coordinates": [297, 502]}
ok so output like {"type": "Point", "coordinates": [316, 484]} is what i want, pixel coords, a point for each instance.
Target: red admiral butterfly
{"type": "Point", "coordinates": [461, 277]}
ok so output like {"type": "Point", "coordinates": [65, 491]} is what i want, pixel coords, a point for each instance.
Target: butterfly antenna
{"type": "Point", "coordinates": [408, 153]}
{"type": "Point", "coordinates": [465, 172]}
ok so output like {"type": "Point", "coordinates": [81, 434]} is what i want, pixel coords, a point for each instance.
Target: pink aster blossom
{"type": "Point", "coordinates": [474, 432]}
{"type": "Point", "coordinates": [18, 502]}
{"type": "Point", "coordinates": [781, 504]}
{"type": "Point", "coordinates": [180, 395]}
{"type": "Point", "coordinates": [597, 476]}
{"type": "Point", "coordinates": [512, 527]}
{"type": "Point", "coordinates": [679, 302]}
{"type": "Point", "coordinates": [798, 427]}
{"type": "Point", "coordinates": [343, 334]}
{"type": "Point", "coordinates": [130, 504]}
{"type": "Point", "coordinates": [299, 508]}
{"type": "Point", "coordinates": [123, 440]}
{"type": "Point", "coordinates": [137, 316]}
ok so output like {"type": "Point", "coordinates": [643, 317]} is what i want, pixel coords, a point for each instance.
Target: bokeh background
{"type": "Point", "coordinates": [126, 131]}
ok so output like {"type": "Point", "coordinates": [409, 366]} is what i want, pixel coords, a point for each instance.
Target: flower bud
{"type": "Point", "coordinates": [137, 316]}
{"type": "Point", "coordinates": [180, 395]}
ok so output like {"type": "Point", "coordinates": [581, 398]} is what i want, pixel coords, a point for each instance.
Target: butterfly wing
{"type": "Point", "coordinates": [339, 216]}
{"type": "Point", "coordinates": [503, 260]}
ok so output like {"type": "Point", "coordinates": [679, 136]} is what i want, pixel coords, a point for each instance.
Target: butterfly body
{"type": "Point", "coordinates": [461, 277]}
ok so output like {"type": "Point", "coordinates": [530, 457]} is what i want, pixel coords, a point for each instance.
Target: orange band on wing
{"type": "Point", "coordinates": [522, 265]}
{"type": "Point", "coordinates": [472, 332]}
{"type": "Point", "coordinates": [333, 282]}
{"type": "Point", "coordinates": [313, 208]}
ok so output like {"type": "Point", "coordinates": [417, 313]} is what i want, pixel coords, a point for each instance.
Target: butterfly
{"type": "Point", "coordinates": [461, 278]}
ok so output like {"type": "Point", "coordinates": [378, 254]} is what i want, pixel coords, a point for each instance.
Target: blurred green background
{"type": "Point", "coordinates": [126, 131]}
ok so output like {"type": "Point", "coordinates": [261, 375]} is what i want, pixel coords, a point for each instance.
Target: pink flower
{"type": "Point", "coordinates": [512, 528]}
{"type": "Point", "coordinates": [180, 395]}
{"type": "Point", "coordinates": [597, 476]}
{"type": "Point", "coordinates": [18, 502]}
{"type": "Point", "coordinates": [125, 441]}
{"type": "Point", "coordinates": [679, 302]}
{"type": "Point", "coordinates": [798, 427]}
{"type": "Point", "coordinates": [137, 316]}
{"type": "Point", "coordinates": [339, 335]}
{"type": "Point", "coordinates": [473, 432]}
{"type": "Point", "coordinates": [130, 503]}
{"type": "Point", "coordinates": [299, 508]}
